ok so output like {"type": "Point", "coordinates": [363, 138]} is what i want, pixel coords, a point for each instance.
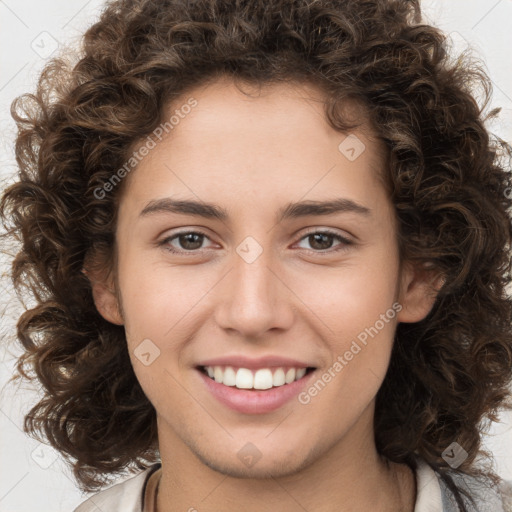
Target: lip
{"type": "Point", "coordinates": [254, 401]}
{"type": "Point", "coordinates": [255, 363]}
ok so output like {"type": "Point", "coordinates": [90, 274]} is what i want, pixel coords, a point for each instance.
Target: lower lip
{"type": "Point", "coordinates": [254, 401]}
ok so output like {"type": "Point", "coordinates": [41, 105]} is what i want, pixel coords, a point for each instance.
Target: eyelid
{"type": "Point", "coordinates": [330, 231]}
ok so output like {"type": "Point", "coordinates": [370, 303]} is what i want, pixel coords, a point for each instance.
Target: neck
{"type": "Point", "coordinates": [351, 476]}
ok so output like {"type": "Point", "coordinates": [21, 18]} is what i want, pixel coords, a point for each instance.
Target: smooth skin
{"type": "Point", "coordinates": [252, 155]}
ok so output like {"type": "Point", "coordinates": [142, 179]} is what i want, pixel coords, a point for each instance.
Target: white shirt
{"type": "Point", "coordinates": [431, 494]}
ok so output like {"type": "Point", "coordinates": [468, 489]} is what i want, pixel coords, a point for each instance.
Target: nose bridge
{"type": "Point", "coordinates": [253, 302]}
{"type": "Point", "coordinates": [253, 281]}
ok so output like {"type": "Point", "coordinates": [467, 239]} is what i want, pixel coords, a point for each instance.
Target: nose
{"type": "Point", "coordinates": [254, 297]}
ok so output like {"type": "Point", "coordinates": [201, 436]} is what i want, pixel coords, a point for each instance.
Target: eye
{"type": "Point", "coordinates": [191, 241]}
{"type": "Point", "coordinates": [321, 241]}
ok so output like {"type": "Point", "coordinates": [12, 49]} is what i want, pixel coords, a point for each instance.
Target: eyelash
{"type": "Point", "coordinates": [342, 247]}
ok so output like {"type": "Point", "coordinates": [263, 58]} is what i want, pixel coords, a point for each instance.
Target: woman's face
{"type": "Point", "coordinates": [265, 286]}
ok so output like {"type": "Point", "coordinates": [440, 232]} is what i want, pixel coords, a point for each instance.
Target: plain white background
{"type": "Point", "coordinates": [32, 475]}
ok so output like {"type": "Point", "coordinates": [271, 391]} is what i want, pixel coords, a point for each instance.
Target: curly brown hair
{"type": "Point", "coordinates": [448, 179]}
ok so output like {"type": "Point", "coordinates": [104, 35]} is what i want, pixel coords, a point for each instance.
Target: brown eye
{"type": "Point", "coordinates": [322, 241]}
{"type": "Point", "coordinates": [186, 241]}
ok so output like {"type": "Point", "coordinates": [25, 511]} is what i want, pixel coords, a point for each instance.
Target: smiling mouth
{"type": "Point", "coordinates": [255, 380]}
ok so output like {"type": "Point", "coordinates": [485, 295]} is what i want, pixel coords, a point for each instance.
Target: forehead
{"type": "Point", "coordinates": [277, 109]}
{"type": "Point", "coordinates": [259, 140]}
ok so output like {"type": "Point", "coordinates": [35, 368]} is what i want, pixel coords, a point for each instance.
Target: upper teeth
{"type": "Point", "coordinates": [263, 378]}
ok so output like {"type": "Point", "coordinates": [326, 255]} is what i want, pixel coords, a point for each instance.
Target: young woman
{"type": "Point", "coordinates": [269, 244]}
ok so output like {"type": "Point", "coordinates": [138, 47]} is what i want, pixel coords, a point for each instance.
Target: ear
{"type": "Point", "coordinates": [104, 295]}
{"type": "Point", "coordinates": [418, 291]}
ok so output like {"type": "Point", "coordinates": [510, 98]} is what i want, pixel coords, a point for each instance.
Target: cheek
{"type": "Point", "coordinates": [360, 349]}
{"type": "Point", "coordinates": [158, 298]}
{"type": "Point", "coordinates": [355, 310]}
{"type": "Point", "coordinates": [348, 299]}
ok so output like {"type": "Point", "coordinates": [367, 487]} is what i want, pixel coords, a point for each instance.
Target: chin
{"type": "Point", "coordinates": [261, 470]}
{"type": "Point", "coordinates": [246, 460]}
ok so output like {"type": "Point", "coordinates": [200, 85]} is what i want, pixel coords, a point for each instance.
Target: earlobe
{"type": "Point", "coordinates": [105, 300]}
{"type": "Point", "coordinates": [419, 289]}
{"type": "Point", "coordinates": [106, 303]}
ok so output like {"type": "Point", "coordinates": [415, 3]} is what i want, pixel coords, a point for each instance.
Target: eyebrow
{"type": "Point", "coordinates": [289, 211]}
